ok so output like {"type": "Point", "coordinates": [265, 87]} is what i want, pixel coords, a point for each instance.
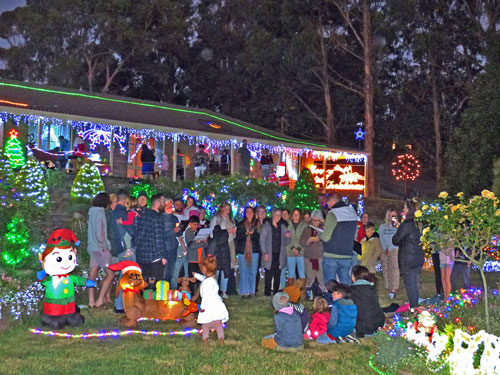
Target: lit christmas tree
{"type": "Point", "coordinates": [31, 183]}
{"type": "Point", "coordinates": [406, 168]}
{"type": "Point", "coordinates": [14, 150]}
{"type": "Point", "coordinates": [88, 183]}
{"type": "Point", "coordinates": [304, 196]}
{"type": "Point", "coordinates": [15, 243]}
{"type": "Point", "coordinates": [6, 172]}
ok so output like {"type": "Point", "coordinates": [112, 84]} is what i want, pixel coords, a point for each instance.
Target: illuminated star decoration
{"type": "Point", "coordinates": [97, 137]}
{"type": "Point", "coordinates": [360, 134]}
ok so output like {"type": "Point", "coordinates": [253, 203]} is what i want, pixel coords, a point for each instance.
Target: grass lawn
{"type": "Point", "coordinates": [24, 353]}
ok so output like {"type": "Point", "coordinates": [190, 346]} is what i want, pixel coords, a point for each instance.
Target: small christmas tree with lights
{"type": "Point", "coordinates": [15, 243]}
{"type": "Point", "coordinates": [14, 150]}
{"type": "Point", "coordinates": [31, 183]}
{"type": "Point", "coordinates": [88, 183]}
{"type": "Point", "coordinates": [304, 196]}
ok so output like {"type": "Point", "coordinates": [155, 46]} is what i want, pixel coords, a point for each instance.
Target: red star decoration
{"type": "Point", "coordinates": [13, 133]}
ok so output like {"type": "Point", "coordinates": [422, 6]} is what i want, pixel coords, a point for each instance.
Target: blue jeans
{"type": "Point", "coordinates": [119, 299]}
{"type": "Point", "coordinates": [248, 273]}
{"type": "Point", "coordinates": [283, 277]}
{"type": "Point", "coordinates": [223, 281]}
{"type": "Point", "coordinates": [324, 339]}
{"type": "Point", "coordinates": [299, 262]}
{"type": "Point", "coordinates": [180, 262]}
{"type": "Point", "coordinates": [337, 266]}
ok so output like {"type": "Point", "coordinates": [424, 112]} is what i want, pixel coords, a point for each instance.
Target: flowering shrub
{"type": "Point", "coordinates": [469, 224]}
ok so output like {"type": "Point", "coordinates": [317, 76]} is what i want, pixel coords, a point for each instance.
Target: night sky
{"type": "Point", "coordinates": [10, 4]}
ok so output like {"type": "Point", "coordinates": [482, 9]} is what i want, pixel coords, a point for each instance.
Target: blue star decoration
{"type": "Point", "coordinates": [360, 134]}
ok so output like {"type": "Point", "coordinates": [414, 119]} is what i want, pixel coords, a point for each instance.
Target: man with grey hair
{"type": "Point", "coordinates": [338, 240]}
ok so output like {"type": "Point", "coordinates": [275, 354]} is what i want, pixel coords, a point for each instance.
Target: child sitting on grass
{"type": "Point", "coordinates": [370, 316]}
{"type": "Point", "coordinates": [288, 336]}
{"type": "Point", "coordinates": [342, 317]}
{"type": "Point", "coordinates": [213, 312]}
{"type": "Point", "coordinates": [320, 318]}
{"type": "Point", "coordinates": [294, 293]}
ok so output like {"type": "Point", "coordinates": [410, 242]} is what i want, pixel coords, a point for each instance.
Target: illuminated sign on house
{"type": "Point", "coordinates": [339, 176]}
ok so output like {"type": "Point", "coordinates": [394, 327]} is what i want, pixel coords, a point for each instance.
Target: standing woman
{"type": "Point", "coordinates": [390, 268]}
{"type": "Point", "coordinates": [190, 209]}
{"type": "Point", "coordinates": [223, 237]}
{"type": "Point", "coordinates": [248, 249]}
{"type": "Point", "coordinates": [273, 241]}
{"type": "Point", "coordinates": [294, 251]}
{"type": "Point", "coordinates": [260, 221]}
{"type": "Point", "coordinates": [99, 248]}
{"type": "Point", "coordinates": [411, 255]}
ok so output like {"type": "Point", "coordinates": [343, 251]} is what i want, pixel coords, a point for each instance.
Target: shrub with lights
{"type": "Point", "coordinates": [6, 172]}
{"type": "Point", "coordinates": [239, 191]}
{"type": "Point", "coordinates": [87, 184]}
{"type": "Point", "coordinates": [14, 244]}
{"type": "Point", "coordinates": [470, 223]}
{"type": "Point", "coordinates": [304, 195]}
{"type": "Point", "coordinates": [32, 184]}
{"type": "Point", "coordinates": [148, 188]}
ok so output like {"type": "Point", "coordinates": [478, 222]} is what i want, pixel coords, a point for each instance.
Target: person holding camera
{"type": "Point", "coordinates": [248, 250]}
{"type": "Point", "coordinates": [389, 257]}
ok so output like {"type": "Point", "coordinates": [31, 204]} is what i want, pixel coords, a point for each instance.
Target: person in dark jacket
{"type": "Point", "coordinates": [411, 255]}
{"type": "Point", "coordinates": [148, 161]}
{"type": "Point", "coordinates": [370, 316]}
{"type": "Point", "coordinates": [247, 250]}
{"type": "Point", "coordinates": [219, 246]}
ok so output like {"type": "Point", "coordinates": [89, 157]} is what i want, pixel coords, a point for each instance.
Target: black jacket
{"type": "Point", "coordinates": [370, 316]}
{"type": "Point", "coordinates": [407, 238]}
{"type": "Point", "coordinates": [241, 239]}
{"type": "Point", "coordinates": [219, 246]}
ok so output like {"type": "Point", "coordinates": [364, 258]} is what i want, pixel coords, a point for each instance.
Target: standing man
{"type": "Point", "coordinates": [172, 229]}
{"type": "Point", "coordinates": [338, 240]}
{"type": "Point", "coordinates": [118, 232]}
{"type": "Point", "coordinates": [245, 158]}
{"type": "Point", "coordinates": [200, 161]}
{"type": "Point", "coordinates": [63, 148]}
{"type": "Point", "coordinates": [150, 241]}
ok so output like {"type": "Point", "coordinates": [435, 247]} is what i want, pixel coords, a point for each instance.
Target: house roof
{"type": "Point", "coordinates": [135, 113]}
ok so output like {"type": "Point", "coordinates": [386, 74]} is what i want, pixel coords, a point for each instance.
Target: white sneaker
{"type": "Point", "coordinates": [224, 295]}
{"type": "Point", "coordinates": [392, 295]}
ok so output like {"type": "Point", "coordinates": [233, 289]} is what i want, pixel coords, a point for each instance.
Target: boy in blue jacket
{"type": "Point", "coordinates": [342, 317]}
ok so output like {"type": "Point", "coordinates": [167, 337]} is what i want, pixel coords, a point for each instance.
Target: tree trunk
{"type": "Point", "coordinates": [436, 120]}
{"type": "Point", "coordinates": [368, 92]}
{"type": "Point", "coordinates": [327, 95]}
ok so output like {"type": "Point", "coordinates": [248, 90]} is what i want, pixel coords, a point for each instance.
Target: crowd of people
{"type": "Point", "coordinates": [327, 255]}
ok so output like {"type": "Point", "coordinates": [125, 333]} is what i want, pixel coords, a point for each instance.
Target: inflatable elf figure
{"type": "Point", "coordinates": [58, 260]}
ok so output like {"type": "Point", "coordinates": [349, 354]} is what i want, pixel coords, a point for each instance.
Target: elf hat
{"type": "Point", "coordinates": [62, 238]}
{"type": "Point", "coordinates": [124, 266]}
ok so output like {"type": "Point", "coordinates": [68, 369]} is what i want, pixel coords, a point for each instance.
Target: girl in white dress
{"type": "Point", "coordinates": [213, 312]}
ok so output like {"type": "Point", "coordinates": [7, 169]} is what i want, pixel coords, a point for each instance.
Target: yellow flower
{"type": "Point", "coordinates": [418, 213]}
{"type": "Point", "coordinates": [445, 217]}
{"type": "Point", "coordinates": [427, 230]}
{"type": "Point", "coordinates": [443, 194]}
{"type": "Point", "coordinates": [460, 195]}
{"type": "Point", "coordinates": [498, 213]}
{"type": "Point", "coordinates": [434, 208]}
{"type": "Point", "coordinates": [454, 208]}
{"type": "Point", "coordinates": [425, 207]}
{"type": "Point", "coordinates": [488, 194]}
